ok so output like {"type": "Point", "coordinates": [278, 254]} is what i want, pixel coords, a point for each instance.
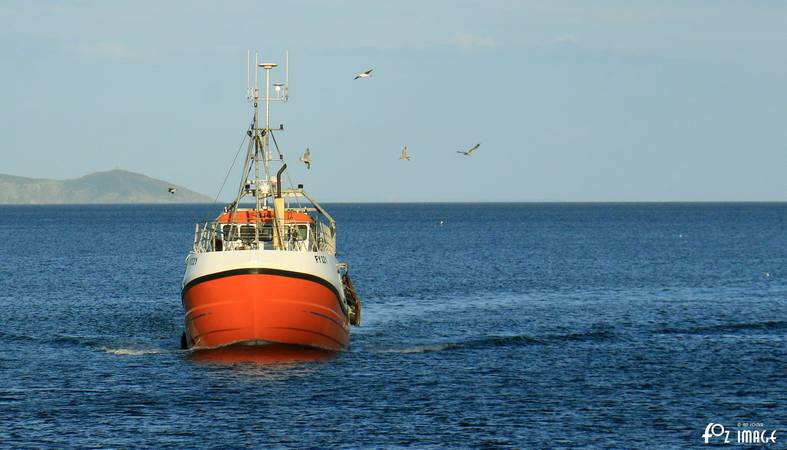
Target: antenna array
{"type": "Point", "coordinates": [282, 90]}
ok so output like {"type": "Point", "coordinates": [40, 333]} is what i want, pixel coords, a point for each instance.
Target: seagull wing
{"type": "Point", "coordinates": [306, 158]}
{"type": "Point", "coordinates": [363, 74]}
{"type": "Point", "coordinates": [473, 149]}
{"type": "Point", "coordinates": [459, 151]}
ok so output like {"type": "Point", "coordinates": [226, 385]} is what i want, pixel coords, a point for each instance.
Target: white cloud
{"type": "Point", "coordinates": [467, 40]}
{"type": "Point", "coordinates": [107, 50]}
{"type": "Point", "coordinates": [566, 39]}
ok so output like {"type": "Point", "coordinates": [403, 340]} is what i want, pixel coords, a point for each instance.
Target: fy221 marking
{"type": "Point", "coordinates": [320, 259]}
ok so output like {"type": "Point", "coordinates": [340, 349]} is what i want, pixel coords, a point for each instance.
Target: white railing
{"type": "Point", "coordinates": [214, 236]}
{"type": "Point", "coordinates": [325, 238]}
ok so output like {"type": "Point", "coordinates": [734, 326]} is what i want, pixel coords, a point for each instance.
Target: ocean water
{"type": "Point", "coordinates": [484, 325]}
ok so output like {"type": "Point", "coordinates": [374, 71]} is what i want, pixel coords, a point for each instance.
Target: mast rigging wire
{"type": "Point", "coordinates": [230, 169]}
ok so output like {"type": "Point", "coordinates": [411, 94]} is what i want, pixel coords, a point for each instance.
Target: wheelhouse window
{"type": "Point", "coordinates": [302, 232]}
{"type": "Point", "coordinates": [247, 233]}
{"type": "Point", "coordinates": [230, 232]}
{"type": "Point", "coordinates": [266, 233]}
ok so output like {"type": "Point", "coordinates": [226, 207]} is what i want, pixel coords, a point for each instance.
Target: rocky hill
{"type": "Point", "coordinates": [114, 186]}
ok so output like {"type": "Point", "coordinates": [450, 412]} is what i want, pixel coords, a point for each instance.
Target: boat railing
{"type": "Point", "coordinates": [212, 236]}
{"type": "Point", "coordinates": [325, 237]}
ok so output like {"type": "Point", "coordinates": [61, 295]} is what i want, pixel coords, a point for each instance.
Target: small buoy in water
{"type": "Point", "coordinates": [680, 235]}
{"type": "Point", "coordinates": [441, 223]}
{"type": "Point", "coordinates": [767, 274]}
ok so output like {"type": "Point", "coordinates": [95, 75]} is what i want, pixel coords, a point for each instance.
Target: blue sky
{"type": "Point", "coordinates": [571, 100]}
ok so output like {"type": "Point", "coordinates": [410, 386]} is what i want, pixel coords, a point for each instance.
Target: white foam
{"type": "Point", "coordinates": [129, 351]}
{"type": "Point", "coordinates": [420, 349]}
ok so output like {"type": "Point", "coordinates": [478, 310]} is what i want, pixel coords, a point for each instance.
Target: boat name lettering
{"type": "Point", "coordinates": [320, 259]}
{"type": "Point", "coordinates": [192, 260]}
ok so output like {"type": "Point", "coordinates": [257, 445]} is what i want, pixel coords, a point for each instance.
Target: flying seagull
{"type": "Point", "coordinates": [306, 158]}
{"type": "Point", "coordinates": [366, 74]}
{"type": "Point", "coordinates": [405, 156]}
{"type": "Point", "coordinates": [469, 151]}
{"type": "Point", "coordinates": [172, 190]}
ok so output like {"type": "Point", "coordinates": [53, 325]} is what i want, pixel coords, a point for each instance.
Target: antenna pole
{"type": "Point", "coordinates": [267, 101]}
{"type": "Point", "coordinates": [265, 138]}
{"type": "Point", "coordinates": [257, 141]}
{"type": "Point", "coordinates": [267, 148]}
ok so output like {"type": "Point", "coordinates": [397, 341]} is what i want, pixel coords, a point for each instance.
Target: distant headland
{"type": "Point", "coordinates": [113, 186]}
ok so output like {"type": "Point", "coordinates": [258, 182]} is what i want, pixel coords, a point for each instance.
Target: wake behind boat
{"type": "Point", "coordinates": [267, 273]}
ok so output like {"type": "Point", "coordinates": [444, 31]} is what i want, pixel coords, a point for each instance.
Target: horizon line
{"type": "Point", "coordinates": [533, 202]}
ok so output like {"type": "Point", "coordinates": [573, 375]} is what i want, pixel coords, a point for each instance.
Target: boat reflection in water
{"type": "Point", "coordinates": [263, 354]}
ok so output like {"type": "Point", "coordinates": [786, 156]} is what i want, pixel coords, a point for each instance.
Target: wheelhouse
{"type": "Point", "coordinates": [242, 231]}
{"type": "Point", "coordinates": [299, 228]}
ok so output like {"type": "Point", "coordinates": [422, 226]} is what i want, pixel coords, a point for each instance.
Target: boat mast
{"type": "Point", "coordinates": [257, 146]}
{"type": "Point", "coordinates": [259, 153]}
{"type": "Point", "coordinates": [266, 131]}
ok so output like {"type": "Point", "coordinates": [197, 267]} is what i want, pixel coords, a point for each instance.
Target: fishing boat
{"type": "Point", "coordinates": [265, 271]}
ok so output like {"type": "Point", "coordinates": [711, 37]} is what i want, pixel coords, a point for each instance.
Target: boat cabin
{"type": "Point", "coordinates": [241, 230]}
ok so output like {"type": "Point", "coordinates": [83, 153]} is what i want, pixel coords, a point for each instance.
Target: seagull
{"type": "Point", "coordinates": [405, 156]}
{"type": "Point", "coordinates": [470, 150]}
{"type": "Point", "coordinates": [366, 74]}
{"type": "Point", "coordinates": [306, 158]}
{"type": "Point", "coordinates": [172, 190]}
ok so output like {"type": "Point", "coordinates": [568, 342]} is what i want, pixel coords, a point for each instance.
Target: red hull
{"type": "Point", "coordinates": [236, 307]}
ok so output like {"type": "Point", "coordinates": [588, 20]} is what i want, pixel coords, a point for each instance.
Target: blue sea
{"type": "Point", "coordinates": [484, 326]}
